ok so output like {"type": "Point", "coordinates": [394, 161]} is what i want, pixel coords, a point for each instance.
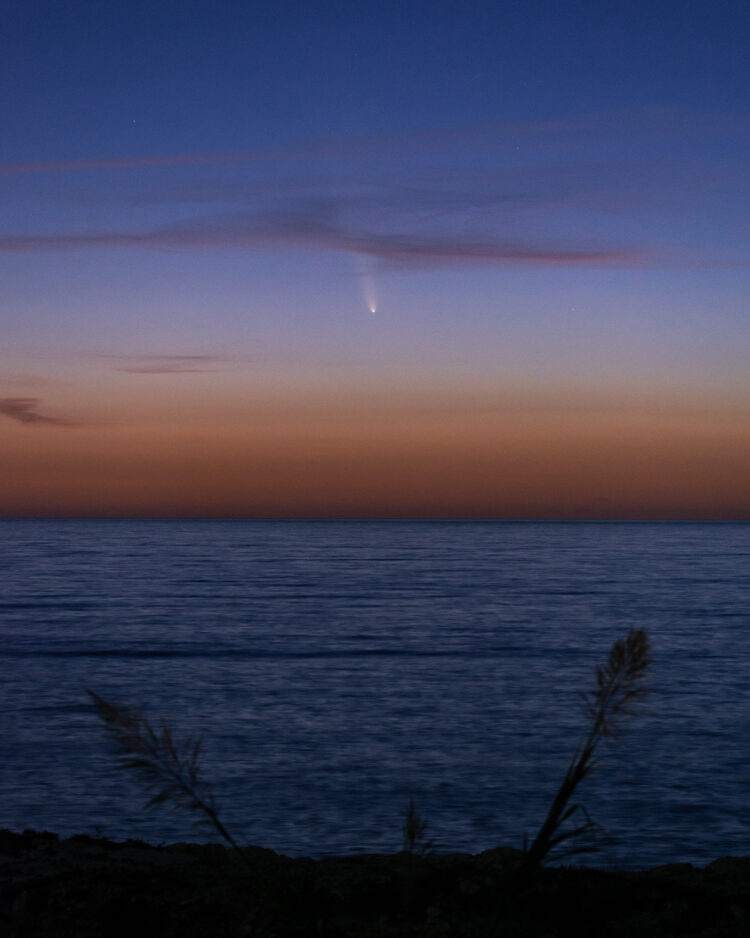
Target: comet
{"type": "Point", "coordinates": [363, 271]}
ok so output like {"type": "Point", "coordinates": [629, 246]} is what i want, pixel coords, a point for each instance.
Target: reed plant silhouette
{"type": "Point", "coordinates": [172, 771]}
{"type": "Point", "coordinates": [415, 832]}
{"type": "Point", "coordinates": [619, 688]}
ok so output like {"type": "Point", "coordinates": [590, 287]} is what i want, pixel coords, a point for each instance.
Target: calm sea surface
{"type": "Point", "coordinates": [336, 668]}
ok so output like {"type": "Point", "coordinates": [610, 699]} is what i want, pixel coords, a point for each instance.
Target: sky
{"type": "Point", "coordinates": [448, 259]}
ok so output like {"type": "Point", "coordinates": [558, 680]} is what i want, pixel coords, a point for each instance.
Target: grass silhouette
{"type": "Point", "coordinates": [172, 771]}
{"type": "Point", "coordinates": [415, 832]}
{"type": "Point", "coordinates": [619, 688]}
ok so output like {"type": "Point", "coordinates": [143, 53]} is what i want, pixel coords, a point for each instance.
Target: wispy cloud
{"type": "Point", "coordinates": [176, 364]}
{"type": "Point", "coordinates": [654, 123]}
{"type": "Point", "coordinates": [26, 410]}
{"type": "Point", "coordinates": [175, 159]}
{"type": "Point", "coordinates": [395, 248]}
{"type": "Point", "coordinates": [171, 364]}
{"type": "Point", "coordinates": [329, 147]}
{"type": "Point", "coordinates": [508, 194]}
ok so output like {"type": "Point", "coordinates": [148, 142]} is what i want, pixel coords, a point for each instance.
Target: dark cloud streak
{"type": "Point", "coordinates": [506, 194]}
{"type": "Point", "coordinates": [173, 364]}
{"type": "Point", "coordinates": [25, 410]}
{"type": "Point", "coordinates": [401, 250]}
{"type": "Point", "coordinates": [170, 364]}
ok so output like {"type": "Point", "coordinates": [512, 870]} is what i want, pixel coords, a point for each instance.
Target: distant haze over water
{"type": "Point", "coordinates": [336, 668]}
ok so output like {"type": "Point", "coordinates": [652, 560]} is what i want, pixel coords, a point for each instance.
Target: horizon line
{"type": "Point", "coordinates": [290, 519]}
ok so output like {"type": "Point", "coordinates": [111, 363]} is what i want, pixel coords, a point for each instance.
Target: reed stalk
{"type": "Point", "coordinates": [415, 832]}
{"type": "Point", "coordinates": [172, 772]}
{"type": "Point", "coordinates": [619, 688]}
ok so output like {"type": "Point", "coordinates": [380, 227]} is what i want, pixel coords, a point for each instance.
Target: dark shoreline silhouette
{"type": "Point", "coordinates": [89, 887]}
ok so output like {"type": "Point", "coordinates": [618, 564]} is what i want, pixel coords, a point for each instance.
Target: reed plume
{"type": "Point", "coordinates": [171, 771]}
{"type": "Point", "coordinates": [618, 690]}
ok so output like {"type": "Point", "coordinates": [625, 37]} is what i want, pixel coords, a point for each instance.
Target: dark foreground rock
{"type": "Point", "coordinates": [89, 887]}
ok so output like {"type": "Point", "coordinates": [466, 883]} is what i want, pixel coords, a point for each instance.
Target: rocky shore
{"type": "Point", "coordinates": [94, 888]}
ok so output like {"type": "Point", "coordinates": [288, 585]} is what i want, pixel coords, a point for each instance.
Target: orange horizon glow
{"type": "Point", "coordinates": [386, 455]}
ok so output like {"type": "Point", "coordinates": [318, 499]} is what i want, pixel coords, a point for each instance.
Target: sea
{"type": "Point", "coordinates": [337, 669]}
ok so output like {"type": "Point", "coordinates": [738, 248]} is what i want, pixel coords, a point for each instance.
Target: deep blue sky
{"type": "Point", "coordinates": [219, 75]}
